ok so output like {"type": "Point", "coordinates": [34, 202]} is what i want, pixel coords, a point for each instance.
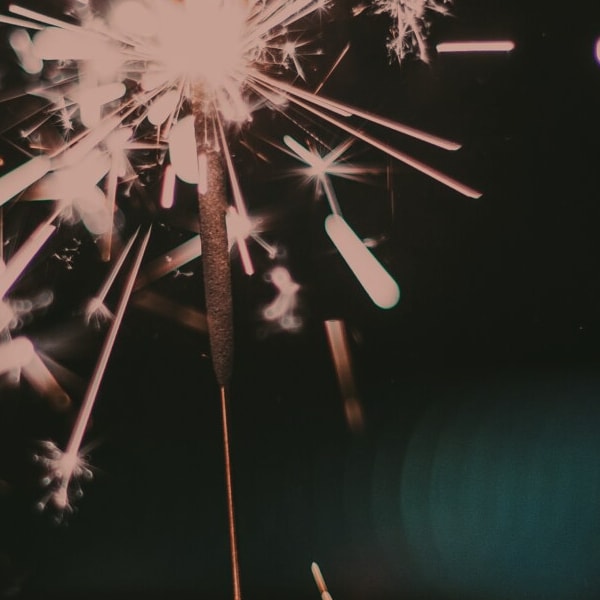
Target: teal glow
{"type": "Point", "coordinates": [502, 499]}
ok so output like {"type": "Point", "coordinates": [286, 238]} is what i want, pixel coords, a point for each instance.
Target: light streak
{"type": "Point", "coordinates": [337, 339]}
{"type": "Point", "coordinates": [69, 461]}
{"type": "Point", "coordinates": [25, 254]}
{"type": "Point", "coordinates": [484, 46]}
{"type": "Point", "coordinates": [371, 274]}
{"type": "Point", "coordinates": [167, 195]}
{"type": "Point", "coordinates": [169, 262]}
{"type": "Point", "coordinates": [320, 581]}
{"type": "Point", "coordinates": [96, 310]}
{"type": "Point", "coordinates": [129, 74]}
{"type": "Point", "coordinates": [18, 179]}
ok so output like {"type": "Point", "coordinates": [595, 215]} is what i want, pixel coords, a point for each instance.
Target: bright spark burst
{"type": "Point", "coordinates": [159, 84]}
{"type": "Point", "coordinates": [63, 473]}
{"type": "Point", "coordinates": [411, 21]}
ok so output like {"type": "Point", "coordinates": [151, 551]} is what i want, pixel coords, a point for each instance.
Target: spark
{"type": "Point", "coordinates": [337, 338]}
{"type": "Point", "coordinates": [485, 46]}
{"type": "Point", "coordinates": [25, 254]}
{"type": "Point", "coordinates": [167, 196]}
{"type": "Point", "coordinates": [410, 25]}
{"type": "Point", "coordinates": [371, 274]}
{"type": "Point", "coordinates": [96, 310]}
{"type": "Point", "coordinates": [170, 262]}
{"type": "Point", "coordinates": [320, 581]}
{"type": "Point", "coordinates": [376, 281]}
{"type": "Point", "coordinates": [174, 80]}
{"type": "Point", "coordinates": [57, 464]}
{"type": "Point", "coordinates": [69, 460]}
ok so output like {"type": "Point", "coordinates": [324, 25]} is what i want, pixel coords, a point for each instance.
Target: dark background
{"type": "Point", "coordinates": [477, 474]}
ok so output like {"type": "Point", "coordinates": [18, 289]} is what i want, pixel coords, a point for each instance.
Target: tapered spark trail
{"type": "Point", "coordinates": [71, 454]}
{"type": "Point", "coordinates": [320, 581]}
{"type": "Point", "coordinates": [96, 308]}
{"type": "Point", "coordinates": [15, 267]}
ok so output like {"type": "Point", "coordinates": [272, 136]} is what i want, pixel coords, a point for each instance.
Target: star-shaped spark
{"type": "Point", "coordinates": [63, 473]}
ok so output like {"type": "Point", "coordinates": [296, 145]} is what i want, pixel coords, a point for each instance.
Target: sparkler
{"type": "Point", "coordinates": [177, 77]}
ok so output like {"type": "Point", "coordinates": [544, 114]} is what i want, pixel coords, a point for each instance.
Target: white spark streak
{"type": "Point", "coordinates": [485, 46]}
{"type": "Point", "coordinates": [167, 196]}
{"type": "Point", "coordinates": [371, 274]}
{"type": "Point", "coordinates": [25, 254]}
{"type": "Point", "coordinates": [18, 179]}
{"type": "Point", "coordinates": [71, 454]}
{"type": "Point", "coordinates": [169, 262]}
{"type": "Point", "coordinates": [320, 581]}
{"type": "Point", "coordinates": [95, 308]}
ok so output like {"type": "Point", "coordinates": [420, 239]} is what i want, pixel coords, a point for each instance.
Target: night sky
{"type": "Point", "coordinates": [477, 472]}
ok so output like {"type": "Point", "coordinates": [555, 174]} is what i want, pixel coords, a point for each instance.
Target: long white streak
{"type": "Point", "coordinates": [20, 22]}
{"type": "Point", "coordinates": [347, 110]}
{"type": "Point", "coordinates": [74, 152]}
{"type": "Point", "coordinates": [23, 176]}
{"type": "Point", "coordinates": [446, 180]}
{"type": "Point", "coordinates": [302, 152]}
{"type": "Point", "coordinates": [238, 199]}
{"type": "Point", "coordinates": [337, 152]}
{"type": "Point", "coordinates": [333, 67]}
{"type": "Point", "coordinates": [270, 249]}
{"type": "Point", "coordinates": [87, 405]}
{"type": "Point", "coordinates": [79, 146]}
{"type": "Point", "coordinates": [169, 262]}
{"type": "Point", "coordinates": [485, 46]}
{"type": "Point", "coordinates": [41, 18]}
{"type": "Point", "coordinates": [24, 255]}
{"type": "Point", "coordinates": [102, 293]}
{"type": "Point", "coordinates": [319, 580]}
